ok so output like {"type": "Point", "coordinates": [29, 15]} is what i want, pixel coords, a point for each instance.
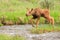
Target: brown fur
{"type": "Point", "coordinates": [37, 13]}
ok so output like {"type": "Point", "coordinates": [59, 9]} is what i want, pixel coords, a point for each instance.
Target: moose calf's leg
{"type": "Point", "coordinates": [49, 20]}
{"type": "Point", "coordinates": [31, 21]}
{"type": "Point", "coordinates": [52, 20]}
{"type": "Point", "coordinates": [37, 22]}
{"type": "Point", "coordinates": [46, 21]}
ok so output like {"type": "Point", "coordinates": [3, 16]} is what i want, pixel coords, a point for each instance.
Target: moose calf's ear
{"type": "Point", "coordinates": [31, 9]}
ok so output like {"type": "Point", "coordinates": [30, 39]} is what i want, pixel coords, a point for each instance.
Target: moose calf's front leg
{"type": "Point", "coordinates": [31, 21]}
{"type": "Point", "coordinates": [37, 22]}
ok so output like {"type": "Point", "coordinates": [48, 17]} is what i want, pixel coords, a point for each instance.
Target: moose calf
{"type": "Point", "coordinates": [37, 13]}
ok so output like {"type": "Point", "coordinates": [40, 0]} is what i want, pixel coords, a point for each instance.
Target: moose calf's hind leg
{"type": "Point", "coordinates": [52, 20]}
{"type": "Point", "coordinates": [46, 22]}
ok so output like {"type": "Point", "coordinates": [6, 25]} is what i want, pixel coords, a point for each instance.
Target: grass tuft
{"type": "Point", "coordinates": [44, 29]}
{"type": "Point", "coordinates": [8, 37]}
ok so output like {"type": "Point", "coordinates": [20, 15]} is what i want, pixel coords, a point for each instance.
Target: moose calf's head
{"type": "Point", "coordinates": [30, 12]}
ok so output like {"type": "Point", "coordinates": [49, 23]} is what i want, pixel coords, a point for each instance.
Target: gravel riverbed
{"type": "Point", "coordinates": [23, 31]}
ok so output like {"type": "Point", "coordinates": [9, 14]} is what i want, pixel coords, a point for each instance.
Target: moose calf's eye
{"type": "Point", "coordinates": [29, 12]}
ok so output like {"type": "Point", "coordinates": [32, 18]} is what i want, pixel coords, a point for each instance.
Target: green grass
{"type": "Point", "coordinates": [45, 28]}
{"type": "Point", "coordinates": [9, 37]}
{"type": "Point", "coordinates": [15, 8]}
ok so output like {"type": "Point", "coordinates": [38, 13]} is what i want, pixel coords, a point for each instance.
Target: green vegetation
{"type": "Point", "coordinates": [13, 9]}
{"type": "Point", "coordinates": [45, 28]}
{"type": "Point", "coordinates": [14, 12]}
{"type": "Point", "coordinates": [9, 37]}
